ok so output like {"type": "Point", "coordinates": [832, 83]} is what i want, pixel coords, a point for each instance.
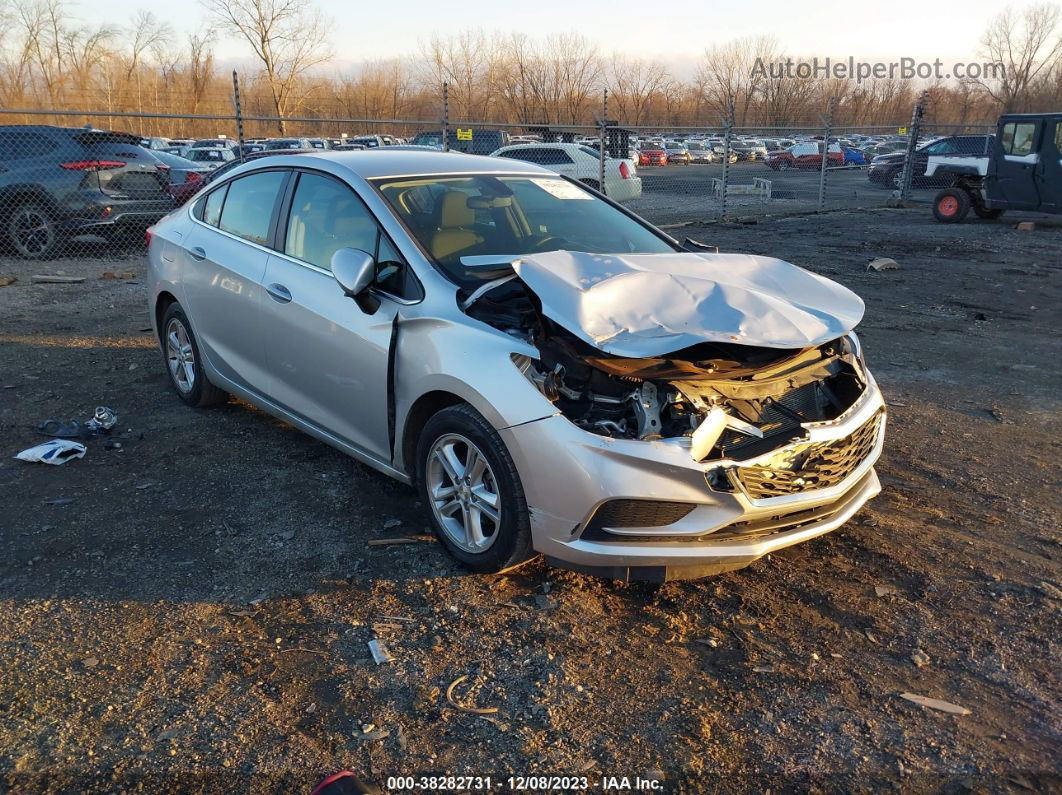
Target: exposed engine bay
{"type": "Point", "coordinates": [732, 401]}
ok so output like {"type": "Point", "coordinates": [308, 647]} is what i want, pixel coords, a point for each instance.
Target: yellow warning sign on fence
{"type": "Point", "coordinates": [464, 134]}
{"type": "Point", "coordinates": [901, 131]}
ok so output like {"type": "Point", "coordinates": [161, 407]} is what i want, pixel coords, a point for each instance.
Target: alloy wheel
{"type": "Point", "coordinates": [464, 493]}
{"type": "Point", "coordinates": [180, 357]}
{"type": "Point", "coordinates": [33, 232]}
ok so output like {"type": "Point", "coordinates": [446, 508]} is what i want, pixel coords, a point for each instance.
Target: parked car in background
{"type": "Point", "coordinates": [853, 156]}
{"type": "Point", "coordinates": [185, 176]}
{"type": "Point", "coordinates": [57, 182]}
{"type": "Point", "coordinates": [213, 143]}
{"type": "Point", "coordinates": [490, 333]}
{"type": "Point", "coordinates": [650, 154]}
{"type": "Point", "coordinates": [249, 148]}
{"type": "Point", "coordinates": [289, 143]}
{"type": "Point", "coordinates": [700, 153]}
{"type": "Point", "coordinates": [210, 156]}
{"type": "Point", "coordinates": [155, 143]}
{"type": "Point", "coordinates": [582, 164]}
{"type": "Point", "coordinates": [370, 141]}
{"type": "Point", "coordinates": [887, 170]}
{"type": "Point", "coordinates": [677, 153]}
{"type": "Point", "coordinates": [805, 155]}
{"type": "Point", "coordinates": [749, 149]}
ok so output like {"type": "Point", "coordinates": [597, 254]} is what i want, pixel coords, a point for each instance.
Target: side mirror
{"type": "Point", "coordinates": [354, 270]}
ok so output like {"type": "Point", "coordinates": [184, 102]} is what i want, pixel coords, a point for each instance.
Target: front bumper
{"type": "Point", "coordinates": [567, 473]}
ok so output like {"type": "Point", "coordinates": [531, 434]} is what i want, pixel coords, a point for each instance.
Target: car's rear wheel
{"type": "Point", "coordinates": [783, 165]}
{"type": "Point", "coordinates": [951, 205]}
{"type": "Point", "coordinates": [894, 179]}
{"type": "Point", "coordinates": [32, 231]}
{"type": "Point", "coordinates": [184, 365]}
{"type": "Point", "coordinates": [470, 484]}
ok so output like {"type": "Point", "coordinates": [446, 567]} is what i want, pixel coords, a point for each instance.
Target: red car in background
{"type": "Point", "coordinates": [805, 155]}
{"type": "Point", "coordinates": [652, 155]}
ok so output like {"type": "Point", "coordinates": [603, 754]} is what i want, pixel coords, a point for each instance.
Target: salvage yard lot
{"type": "Point", "coordinates": [192, 611]}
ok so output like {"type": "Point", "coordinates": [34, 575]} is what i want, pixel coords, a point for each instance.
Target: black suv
{"type": "Point", "coordinates": [56, 182]}
{"type": "Point", "coordinates": [887, 170]}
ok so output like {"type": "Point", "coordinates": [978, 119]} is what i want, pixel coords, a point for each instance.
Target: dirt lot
{"type": "Point", "coordinates": [192, 612]}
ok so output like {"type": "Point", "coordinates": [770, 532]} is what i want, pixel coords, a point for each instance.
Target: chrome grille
{"type": "Point", "coordinates": [810, 466]}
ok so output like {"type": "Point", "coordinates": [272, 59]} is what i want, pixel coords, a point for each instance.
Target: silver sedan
{"type": "Point", "coordinates": [552, 373]}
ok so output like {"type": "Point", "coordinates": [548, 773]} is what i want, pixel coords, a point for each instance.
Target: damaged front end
{"type": "Point", "coordinates": [729, 403]}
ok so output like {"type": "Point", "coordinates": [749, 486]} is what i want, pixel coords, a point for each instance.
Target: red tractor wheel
{"type": "Point", "coordinates": [951, 205]}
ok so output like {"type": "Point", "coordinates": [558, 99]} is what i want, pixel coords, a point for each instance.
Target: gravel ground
{"type": "Point", "coordinates": [192, 612]}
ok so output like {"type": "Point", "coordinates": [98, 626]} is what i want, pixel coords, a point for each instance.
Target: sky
{"type": "Point", "coordinates": [674, 33]}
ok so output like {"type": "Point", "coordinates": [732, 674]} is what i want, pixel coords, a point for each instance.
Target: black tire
{"type": "Point", "coordinates": [591, 183]}
{"type": "Point", "coordinates": [988, 215]}
{"type": "Point", "coordinates": [783, 165]}
{"type": "Point", "coordinates": [951, 206]}
{"type": "Point", "coordinates": [31, 230]}
{"type": "Point", "coordinates": [200, 393]}
{"type": "Point", "coordinates": [512, 534]}
{"type": "Point", "coordinates": [894, 179]}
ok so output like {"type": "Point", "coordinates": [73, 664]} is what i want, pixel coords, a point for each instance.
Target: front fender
{"type": "Point", "coordinates": [472, 362]}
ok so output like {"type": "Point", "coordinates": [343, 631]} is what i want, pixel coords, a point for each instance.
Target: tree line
{"type": "Point", "coordinates": [52, 60]}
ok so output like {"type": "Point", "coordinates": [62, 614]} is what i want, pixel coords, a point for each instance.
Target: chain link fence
{"type": "Point", "coordinates": [84, 183]}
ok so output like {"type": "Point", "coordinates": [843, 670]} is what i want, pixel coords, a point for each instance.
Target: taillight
{"type": "Point", "coordinates": [192, 176]}
{"type": "Point", "coordinates": [625, 172]}
{"type": "Point", "coordinates": [92, 165]}
{"type": "Point", "coordinates": [147, 236]}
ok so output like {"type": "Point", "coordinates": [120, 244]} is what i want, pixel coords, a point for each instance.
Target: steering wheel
{"type": "Point", "coordinates": [550, 243]}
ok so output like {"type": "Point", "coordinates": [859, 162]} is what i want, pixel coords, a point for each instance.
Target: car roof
{"type": "Point", "coordinates": [373, 163]}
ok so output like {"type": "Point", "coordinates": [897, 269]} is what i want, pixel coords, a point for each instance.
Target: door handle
{"type": "Point", "coordinates": [279, 293]}
{"type": "Point", "coordinates": [198, 253]}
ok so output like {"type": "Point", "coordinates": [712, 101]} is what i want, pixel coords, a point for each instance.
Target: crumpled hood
{"type": "Point", "coordinates": [644, 305]}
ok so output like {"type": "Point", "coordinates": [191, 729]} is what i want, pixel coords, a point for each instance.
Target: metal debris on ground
{"type": "Point", "coordinates": [382, 542]}
{"type": "Point", "coordinates": [56, 451]}
{"type": "Point", "coordinates": [461, 707]}
{"type": "Point", "coordinates": [45, 279]}
{"type": "Point", "coordinates": [379, 652]}
{"type": "Point", "coordinates": [935, 703]}
{"type": "Point", "coordinates": [883, 264]}
{"type": "Point", "coordinates": [103, 419]}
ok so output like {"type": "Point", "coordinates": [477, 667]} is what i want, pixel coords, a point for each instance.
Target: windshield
{"type": "Point", "coordinates": [482, 215]}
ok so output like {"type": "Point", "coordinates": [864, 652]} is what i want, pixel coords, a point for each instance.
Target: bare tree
{"type": "Point", "coordinates": [729, 76]}
{"type": "Point", "coordinates": [1028, 45]}
{"type": "Point", "coordinates": [289, 37]}
{"type": "Point", "coordinates": [633, 84]}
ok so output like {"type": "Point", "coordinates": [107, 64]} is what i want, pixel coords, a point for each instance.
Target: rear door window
{"type": "Point", "coordinates": [248, 207]}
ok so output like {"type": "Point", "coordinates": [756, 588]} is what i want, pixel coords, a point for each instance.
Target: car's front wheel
{"type": "Point", "coordinates": [184, 365]}
{"type": "Point", "coordinates": [470, 484]}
